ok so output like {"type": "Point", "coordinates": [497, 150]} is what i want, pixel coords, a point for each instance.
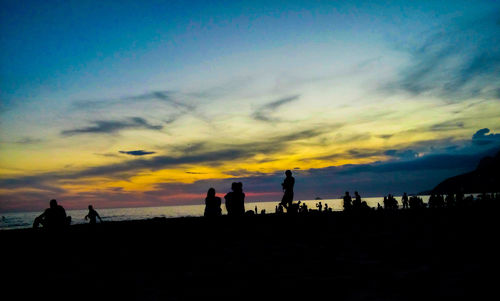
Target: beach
{"type": "Point", "coordinates": [373, 255]}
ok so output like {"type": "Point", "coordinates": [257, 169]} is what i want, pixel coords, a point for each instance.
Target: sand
{"type": "Point", "coordinates": [404, 255]}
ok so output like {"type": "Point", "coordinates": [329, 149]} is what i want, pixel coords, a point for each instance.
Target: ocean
{"type": "Point", "coordinates": [19, 220]}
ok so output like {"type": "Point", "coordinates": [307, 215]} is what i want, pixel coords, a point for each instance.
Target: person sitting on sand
{"type": "Point", "coordinates": [53, 218]}
{"type": "Point", "coordinates": [235, 200]}
{"type": "Point", "coordinates": [92, 216]}
{"type": "Point", "coordinates": [212, 204]}
{"type": "Point", "coordinates": [287, 187]}
{"type": "Point", "coordinates": [347, 201]}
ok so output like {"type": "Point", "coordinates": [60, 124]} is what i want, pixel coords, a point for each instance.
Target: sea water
{"type": "Point", "coordinates": [19, 220]}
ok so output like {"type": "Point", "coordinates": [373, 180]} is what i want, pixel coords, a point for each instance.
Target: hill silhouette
{"type": "Point", "coordinates": [486, 178]}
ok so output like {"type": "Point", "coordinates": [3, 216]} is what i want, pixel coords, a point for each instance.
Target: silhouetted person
{"type": "Point", "coordinates": [235, 200]}
{"type": "Point", "coordinates": [404, 200]}
{"type": "Point", "coordinates": [347, 201]}
{"type": "Point", "coordinates": [390, 202]}
{"type": "Point", "coordinates": [212, 204]}
{"type": "Point", "coordinates": [432, 201]}
{"type": "Point", "coordinates": [303, 208]}
{"type": "Point", "coordinates": [416, 202]}
{"type": "Point", "coordinates": [450, 200]}
{"type": "Point", "coordinates": [280, 209]}
{"type": "Point", "coordinates": [92, 216]}
{"type": "Point", "coordinates": [357, 200]}
{"type": "Point", "coordinates": [53, 218]}
{"type": "Point", "coordinates": [319, 206]}
{"type": "Point", "coordinates": [287, 186]}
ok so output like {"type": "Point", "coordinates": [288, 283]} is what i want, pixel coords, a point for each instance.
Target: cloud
{"type": "Point", "coordinates": [29, 140]}
{"type": "Point", "coordinates": [457, 62]}
{"type": "Point", "coordinates": [137, 152]}
{"type": "Point", "coordinates": [376, 179]}
{"type": "Point", "coordinates": [179, 103]}
{"type": "Point", "coordinates": [165, 96]}
{"type": "Point", "coordinates": [448, 125]}
{"type": "Point", "coordinates": [113, 126]}
{"type": "Point", "coordinates": [202, 153]}
{"type": "Point", "coordinates": [482, 137]}
{"type": "Point", "coordinates": [402, 154]}
{"type": "Point", "coordinates": [264, 112]}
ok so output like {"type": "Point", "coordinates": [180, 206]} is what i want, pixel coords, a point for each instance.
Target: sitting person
{"type": "Point", "coordinates": [53, 218]}
{"type": "Point", "coordinates": [92, 216]}
{"type": "Point", "coordinates": [212, 204]}
{"type": "Point", "coordinates": [235, 200]}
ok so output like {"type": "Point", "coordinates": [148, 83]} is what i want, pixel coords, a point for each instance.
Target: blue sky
{"type": "Point", "coordinates": [187, 93]}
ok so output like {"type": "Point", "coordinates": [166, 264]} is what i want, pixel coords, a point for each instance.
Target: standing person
{"type": "Point", "coordinates": [404, 200]}
{"type": "Point", "coordinates": [212, 204]}
{"type": "Point", "coordinates": [287, 187]}
{"type": "Point", "coordinates": [53, 218]}
{"type": "Point", "coordinates": [92, 216]}
{"type": "Point", "coordinates": [235, 200]}
{"type": "Point", "coordinates": [347, 201]}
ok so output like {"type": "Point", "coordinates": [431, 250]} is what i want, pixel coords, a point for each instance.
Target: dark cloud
{"type": "Point", "coordinates": [264, 112]}
{"type": "Point", "coordinates": [165, 96]}
{"type": "Point", "coordinates": [29, 140]}
{"type": "Point", "coordinates": [38, 183]}
{"type": "Point", "coordinates": [137, 152]}
{"type": "Point", "coordinates": [482, 137]}
{"type": "Point", "coordinates": [448, 125]}
{"type": "Point", "coordinates": [402, 154]}
{"type": "Point", "coordinates": [460, 61]}
{"type": "Point", "coordinates": [113, 126]}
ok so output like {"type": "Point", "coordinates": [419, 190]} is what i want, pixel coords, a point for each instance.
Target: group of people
{"type": "Point", "coordinates": [356, 204]}
{"type": "Point", "coordinates": [235, 199]}
{"type": "Point", "coordinates": [55, 218]}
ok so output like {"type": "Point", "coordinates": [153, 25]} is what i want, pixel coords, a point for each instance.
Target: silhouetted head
{"type": "Point", "coordinates": [53, 203]}
{"type": "Point", "coordinates": [234, 186]}
{"type": "Point", "coordinates": [288, 173]}
{"type": "Point", "coordinates": [211, 193]}
{"type": "Point", "coordinates": [355, 192]}
{"type": "Point", "coordinates": [90, 207]}
{"type": "Point", "coordinates": [347, 193]}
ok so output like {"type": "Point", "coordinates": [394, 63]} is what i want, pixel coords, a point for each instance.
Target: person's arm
{"type": "Point", "coordinates": [98, 216]}
{"type": "Point", "coordinates": [42, 215]}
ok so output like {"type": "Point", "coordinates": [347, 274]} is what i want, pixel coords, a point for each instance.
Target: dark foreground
{"type": "Point", "coordinates": [404, 255]}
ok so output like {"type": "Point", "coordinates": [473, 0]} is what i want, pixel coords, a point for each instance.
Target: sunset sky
{"type": "Point", "coordinates": [127, 103]}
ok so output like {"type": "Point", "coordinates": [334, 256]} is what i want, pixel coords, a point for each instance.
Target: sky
{"type": "Point", "coordinates": [150, 103]}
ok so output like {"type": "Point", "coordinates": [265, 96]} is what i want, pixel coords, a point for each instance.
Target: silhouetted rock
{"type": "Point", "coordinates": [486, 178]}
